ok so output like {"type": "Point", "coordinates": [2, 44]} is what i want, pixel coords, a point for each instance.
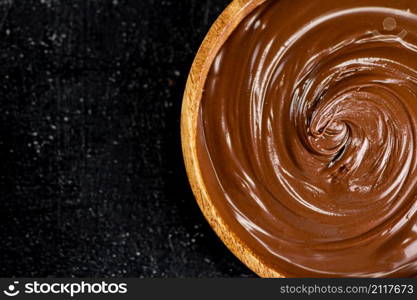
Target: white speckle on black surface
{"type": "Point", "coordinates": [92, 180]}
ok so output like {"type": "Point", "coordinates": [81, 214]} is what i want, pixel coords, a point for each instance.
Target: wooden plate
{"type": "Point", "coordinates": [216, 37]}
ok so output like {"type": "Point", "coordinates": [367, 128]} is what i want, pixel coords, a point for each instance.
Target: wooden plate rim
{"type": "Point", "coordinates": [218, 34]}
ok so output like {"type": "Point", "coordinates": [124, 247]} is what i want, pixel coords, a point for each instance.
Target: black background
{"type": "Point", "coordinates": [92, 180]}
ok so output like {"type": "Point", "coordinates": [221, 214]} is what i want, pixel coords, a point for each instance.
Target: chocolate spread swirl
{"type": "Point", "coordinates": [308, 136]}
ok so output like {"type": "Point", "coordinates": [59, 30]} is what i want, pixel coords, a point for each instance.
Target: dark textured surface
{"type": "Point", "coordinates": [92, 181]}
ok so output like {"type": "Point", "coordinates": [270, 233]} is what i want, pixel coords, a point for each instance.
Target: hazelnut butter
{"type": "Point", "coordinates": [307, 136]}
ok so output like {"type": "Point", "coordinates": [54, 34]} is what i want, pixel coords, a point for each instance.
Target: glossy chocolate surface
{"type": "Point", "coordinates": [307, 136]}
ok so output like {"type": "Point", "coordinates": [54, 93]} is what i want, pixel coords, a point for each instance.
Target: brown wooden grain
{"type": "Point", "coordinates": [217, 35]}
